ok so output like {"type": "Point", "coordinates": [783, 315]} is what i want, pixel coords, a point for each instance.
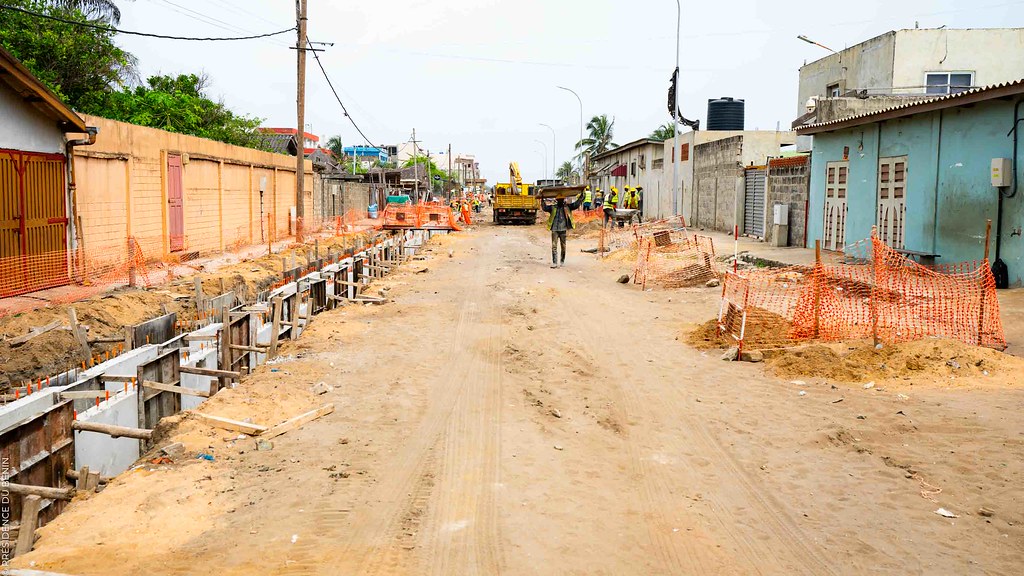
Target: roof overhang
{"type": "Point", "coordinates": [33, 92]}
{"type": "Point", "coordinates": [966, 98]}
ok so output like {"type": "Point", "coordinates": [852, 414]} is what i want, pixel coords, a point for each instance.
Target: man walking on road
{"type": "Point", "coordinates": [560, 222]}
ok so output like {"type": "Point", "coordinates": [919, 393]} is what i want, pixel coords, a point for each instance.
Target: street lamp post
{"type": "Point", "coordinates": [581, 125]}
{"type": "Point", "coordinates": [554, 148]}
{"type": "Point", "coordinates": [545, 156]}
{"type": "Point", "coordinates": [809, 41]}
{"type": "Point", "coordinates": [675, 123]}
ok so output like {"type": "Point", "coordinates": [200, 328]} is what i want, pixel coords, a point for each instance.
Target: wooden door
{"type": "Point", "coordinates": [836, 176]}
{"type": "Point", "coordinates": [175, 203]}
{"type": "Point", "coordinates": [892, 202]}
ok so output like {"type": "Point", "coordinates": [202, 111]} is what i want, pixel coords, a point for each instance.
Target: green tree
{"type": "Point", "coordinates": [79, 64]}
{"type": "Point", "coordinates": [600, 132]}
{"type": "Point", "coordinates": [180, 104]}
{"type": "Point", "coordinates": [567, 172]}
{"type": "Point", "coordinates": [663, 132]}
{"type": "Point", "coordinates": [425, 163]}
{"type": "Point", "coordinates": [336, 148]}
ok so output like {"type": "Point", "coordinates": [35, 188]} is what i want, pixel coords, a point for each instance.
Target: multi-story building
{"type": "Point", "coordinates": [931, 61]}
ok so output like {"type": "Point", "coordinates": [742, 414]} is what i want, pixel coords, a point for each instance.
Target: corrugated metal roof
{"type": "Point", "coordinates": [909, 108]}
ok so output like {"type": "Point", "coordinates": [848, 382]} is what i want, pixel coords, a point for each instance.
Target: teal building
{"type": "Point", "coordinates": [928, 173]}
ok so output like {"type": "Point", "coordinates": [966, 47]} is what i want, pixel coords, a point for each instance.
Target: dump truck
{"type": "Point", "coordinates": [515, 202]}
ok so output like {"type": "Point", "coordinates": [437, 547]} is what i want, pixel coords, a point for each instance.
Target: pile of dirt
{"type": "Point", "coordinates": [107, 314]}
{"type": "Point", "coordinates": [592, 228]}
{"type": "Point", "coordinates": [932, 360]}
{"type": "Point", "coordinates": [768, 331]}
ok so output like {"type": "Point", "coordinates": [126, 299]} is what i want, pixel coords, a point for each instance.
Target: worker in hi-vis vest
{"type": "Point", "coordinates": [588, 198]}
{"type": "Point", "coordinates": [611, 202]}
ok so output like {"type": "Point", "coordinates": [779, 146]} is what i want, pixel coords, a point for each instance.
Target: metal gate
{"type": "Point", "coordinates": [892, 202]}
{"type": "Point", "coordinates": [753, 202]}
{"type": "Point", "coordinates": [175, 203]}
{"type": "Point", "coordinates": [836, 175]}
{"type": "Point", "coordinates": [33, 222]}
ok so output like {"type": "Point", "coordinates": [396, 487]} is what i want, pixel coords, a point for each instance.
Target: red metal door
{"type": "Point", "coordinates": [175, 205]}
{"type": "Point", "coordinates": [33, 222]}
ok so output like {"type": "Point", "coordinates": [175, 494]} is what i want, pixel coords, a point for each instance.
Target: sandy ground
{"type": "Point", "coordinates": [503, 417]}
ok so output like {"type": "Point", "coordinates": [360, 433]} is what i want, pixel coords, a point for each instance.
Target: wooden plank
{"type": "Point", "coordinates": [259, 349]}
{"type": "Point", "coordinates": [116, 378]}
{"type": "Point", "coordinates": [40, 491]}
{"type": "Point", "coordinates": [29, 519]}
{"type": "Point", "coordinates": [209, 372]}
{"type": "Point", "coordinates": [201, 337]}
{"type": "Point", "coordinates": [35, 331]}
{"type": "Point", "coordinates": [297, 421]}
{"type": "Point", "coordinates": [173, 388]}
{"type": "Point", "coordinates": [76, 475]}
{"type": "Point", "coordinates": [232, 425]}
{"type": "Point", "coordinates": [275, 329]}
{"type": "Point", "coordinates": [78, 395]}
{"type": "Point", "coordinates": [79, 334]}
{"type": "Point", "coordinates": [112, 430]}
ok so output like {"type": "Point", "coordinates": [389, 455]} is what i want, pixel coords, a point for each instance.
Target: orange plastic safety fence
{"type": "Point", "coordinates": [878, 294]}
{"type": "Point", "coordinates": [429, 215]}
{"type": "Point", "coordinates": [673, 259]}
{"type": "Point", "coordinates": [584, 216]}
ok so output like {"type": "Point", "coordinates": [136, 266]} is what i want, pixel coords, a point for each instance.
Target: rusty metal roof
{"type": "Point", "coordinates": [972, 96]}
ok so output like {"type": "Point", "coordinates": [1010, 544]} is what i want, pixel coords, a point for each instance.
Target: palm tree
{"type": "Point", "coordinates": [600, 131]}
{"type": "Point", "coordinates": [104, 10]}
{"type": "Point", "coordinates": [567, 172]}
{"type": "Point", "coordinates": [334, 145]}
{"type": "Point", "coordinates": [663, 132]}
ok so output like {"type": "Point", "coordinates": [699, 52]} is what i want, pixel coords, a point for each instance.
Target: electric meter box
{"type": "Point", "coordinates": [1002, 172]}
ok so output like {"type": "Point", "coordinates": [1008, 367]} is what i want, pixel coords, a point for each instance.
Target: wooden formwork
{"type": "Point", "coordinates": [155, 331]}
{"type": "Point", "coordinates": [38, 451]}
{"type": "Point", "coordinates": [240, 336]}
{"type": "Point", "coordinates": [155, 404]}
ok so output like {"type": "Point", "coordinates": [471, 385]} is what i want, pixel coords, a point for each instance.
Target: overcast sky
{"type": "Point", "coordinates": [481, 75]}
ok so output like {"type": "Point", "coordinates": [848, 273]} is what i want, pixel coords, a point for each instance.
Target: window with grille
{"type": "Point", "coordinates": [948, 82]}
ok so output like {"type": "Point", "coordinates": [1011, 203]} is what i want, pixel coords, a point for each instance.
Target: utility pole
{"type": "Point", "coordinates": [300, 125]}
{"type": "Point", "coordinates": [415, 167]}
{"type": "Point", "coordinates": [449, 172]}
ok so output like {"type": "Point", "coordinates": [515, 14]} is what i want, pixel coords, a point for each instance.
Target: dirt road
{"type": "Point", "coordinates": [501, 417]}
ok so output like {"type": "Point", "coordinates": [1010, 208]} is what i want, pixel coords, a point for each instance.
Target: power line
{"type": "Point", "coordinates": [211, 21]}
{"type": "Point", "coordinates": [338, 98]}
{"type": "Point", "coordinates": [133, 33]}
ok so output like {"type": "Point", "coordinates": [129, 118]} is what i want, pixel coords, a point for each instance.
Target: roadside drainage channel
{"type": "Point", "coordinates": [94, 423]}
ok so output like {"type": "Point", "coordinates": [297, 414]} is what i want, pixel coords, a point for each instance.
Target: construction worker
{"type": "Point", "coordinates": [598, 199]}
{"type": "Point", "coordinates": [588, 198]}
{"type": "Point", "coordinates": [476, 204]}
{"type": "Point", "coordinates": [632, 202]}
{"type": "Point", "coordinates": [611, 202]}
{"type": "Point", "coordinates": [559, 223]}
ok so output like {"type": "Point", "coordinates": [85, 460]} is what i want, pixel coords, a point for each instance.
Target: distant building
{"type": "Point", "coordinates": [310, 142]}
{"type": "Point", "coordinates": [928, 174]}
{"type": "Point", "coordinates": [932, 61]}
{"type": "Point", "coordinates": [636, 164]}
{"type": "Point", "coordinates": [367, 156]}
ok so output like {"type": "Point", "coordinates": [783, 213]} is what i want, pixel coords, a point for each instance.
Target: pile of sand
{"type": "Point", "coordinates": [769, 331]}
{"type": "Point", "coordinates": [931, 360]}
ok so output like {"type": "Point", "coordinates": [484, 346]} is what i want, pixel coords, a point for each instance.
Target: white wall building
{"type": "Point", "coordinates": [917, 61]}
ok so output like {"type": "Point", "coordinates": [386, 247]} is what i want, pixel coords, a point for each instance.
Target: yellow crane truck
{"type": "Point", "coordinates": [514, 201]}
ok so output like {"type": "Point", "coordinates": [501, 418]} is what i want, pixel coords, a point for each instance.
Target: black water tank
{"type": "Point", "coordinates": [725, 114]}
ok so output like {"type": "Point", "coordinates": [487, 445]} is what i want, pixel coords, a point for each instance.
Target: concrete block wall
{"type": "Point", "coordinates": [717, 173]}
{"type": "Point", "coordinates": [789, 182]}
{"type": "Point", "coordinates": [122, 191]}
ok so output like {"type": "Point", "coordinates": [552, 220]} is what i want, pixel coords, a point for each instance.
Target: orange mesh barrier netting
{"type": "Point", "coordinates": [878, 294]}
{"type": "Point", "coordinates": [674, 259]}
{"type": "Point", "coordinates": [83, 273]}
{"type": "Point", "coordinates": [428, 215]}
{"type": "Point", "coordinates": [584, 216]}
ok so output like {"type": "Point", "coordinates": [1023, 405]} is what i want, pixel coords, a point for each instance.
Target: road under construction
{"type": "Point", "coordinates": [491, 415]}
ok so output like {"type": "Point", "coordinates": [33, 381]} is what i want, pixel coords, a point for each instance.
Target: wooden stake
{"type": "Point", "coordinates": [981, 308]}
{"type": "Point", "coordinates": [174, 388]}
{"type": "Point", "coordinates": [275, 328]}
{"type": "Point", "coordinates": [40, 491]}
{"type": "Point", "coordinates": [297, 421]}
{"type": "Point", "coordinates": [29, 520]}
{"type": "Point", "coordinates": [818, 273]}
{"type": "Point", "coordinates": [232, 425]}
{"type": "Point", "coordinates": [200, 300]}
{"type": "Point", "coordinates": [79, 334]}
